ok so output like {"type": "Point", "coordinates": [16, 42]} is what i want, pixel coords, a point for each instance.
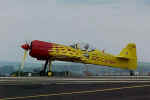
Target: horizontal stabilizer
{"type": "Point", "coordinates": [121, 57]}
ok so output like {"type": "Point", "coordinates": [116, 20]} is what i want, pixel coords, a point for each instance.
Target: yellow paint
{"type": "Point", "coordinates": [76, 92]}
{"type": "Point", "coordinates": [49, 74]}
{"type": "Point", "coordinates": [23, 60]}
{"type": "Point", "coordinates": [127, 58]}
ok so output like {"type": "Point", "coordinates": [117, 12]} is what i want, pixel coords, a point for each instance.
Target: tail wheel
{"type": "Point", "coordinates": [132, 73]}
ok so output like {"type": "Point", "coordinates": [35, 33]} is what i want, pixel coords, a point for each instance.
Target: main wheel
{"type": "Point", "coordinates": [49, 74]}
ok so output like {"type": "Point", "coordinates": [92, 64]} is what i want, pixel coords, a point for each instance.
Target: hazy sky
{"type": "Point", "coordinates": [107, 24]}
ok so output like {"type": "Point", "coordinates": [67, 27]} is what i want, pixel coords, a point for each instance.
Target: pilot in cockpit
{"type": "Point", "coordinates": [83, 46]}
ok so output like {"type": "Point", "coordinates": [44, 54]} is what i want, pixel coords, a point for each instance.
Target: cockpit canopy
{"type": "Point", "coordinates": [83, 46]}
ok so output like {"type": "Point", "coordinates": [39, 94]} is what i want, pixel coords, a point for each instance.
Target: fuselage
{"type": "Point", "coordinates": [44, 50]}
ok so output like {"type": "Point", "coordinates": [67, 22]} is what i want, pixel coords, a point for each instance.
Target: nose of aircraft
{"type": "Point", "coordinates": [25, 46]}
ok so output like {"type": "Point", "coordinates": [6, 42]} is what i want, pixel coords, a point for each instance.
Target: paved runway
{"type": "Point", "coordinates": [69, 89]}
{"type": "Point", "coordinates": [74, 80]}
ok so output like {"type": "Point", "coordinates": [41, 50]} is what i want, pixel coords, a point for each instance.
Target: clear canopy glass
{"type": "Point", "coordinates": [83, 46]}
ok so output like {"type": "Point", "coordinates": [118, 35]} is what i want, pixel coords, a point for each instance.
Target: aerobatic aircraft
{"type": "Point", "coordinates": [41, 50]}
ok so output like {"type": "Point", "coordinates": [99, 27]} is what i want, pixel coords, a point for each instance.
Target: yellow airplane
{"type": "Point", "coordinates": [49, 52]}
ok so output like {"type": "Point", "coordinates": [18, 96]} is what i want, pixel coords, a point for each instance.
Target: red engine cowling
{"type": "Point", "coordinates": [38, 49]}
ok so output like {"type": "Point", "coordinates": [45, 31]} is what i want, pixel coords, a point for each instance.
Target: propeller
{"type": "Point", "coordinates": [23, 60]}
{"type": "Point", "coordinates": [26, 48]}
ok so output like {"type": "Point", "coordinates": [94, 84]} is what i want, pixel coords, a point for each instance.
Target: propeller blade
{"type": "Point", "coordinates": [23, 60]}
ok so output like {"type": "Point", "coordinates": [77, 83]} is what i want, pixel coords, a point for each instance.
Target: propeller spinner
{"type": "Point", "coordinates": [26, 47]}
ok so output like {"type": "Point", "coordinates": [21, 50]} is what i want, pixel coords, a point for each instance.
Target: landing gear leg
{"type": "Point", "coordinates": [50, 68]}
{"type": "Point", "coordinates": [131, 73]}
{"type": "Point", "coordinates": [43, 72]}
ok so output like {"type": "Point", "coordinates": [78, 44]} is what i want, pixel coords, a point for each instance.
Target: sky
{"type": "Point", "coordinates": [106, 24]}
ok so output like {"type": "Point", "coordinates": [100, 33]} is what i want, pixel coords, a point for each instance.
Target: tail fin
{"type": "Point", "coordinates": [129, 53]}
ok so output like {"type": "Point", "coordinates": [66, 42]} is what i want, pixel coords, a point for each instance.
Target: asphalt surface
{"type": "Point", "coordinates": [73, 91]}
